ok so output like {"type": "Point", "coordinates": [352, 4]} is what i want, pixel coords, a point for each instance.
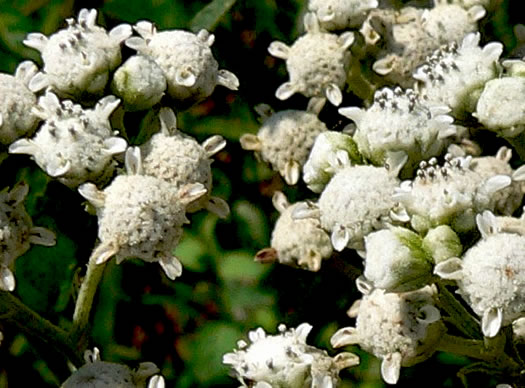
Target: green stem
{"type": "Point", "coordinates": [14, 312]}
{"type": "Point", "coordinates": [459, 315]}
{"type": "Point", "coordinates": [84, 302]}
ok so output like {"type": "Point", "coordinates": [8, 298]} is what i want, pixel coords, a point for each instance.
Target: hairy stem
{"type": "Point", "coordinates": [15, 313]}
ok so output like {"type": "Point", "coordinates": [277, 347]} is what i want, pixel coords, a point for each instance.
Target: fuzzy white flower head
{"type": "Point", "coordinates": [491, 276]}
{"type": "Point", "coordinates": [400, 126]}
{"type": "Point", "coordinates": [296, 242]}
{"type": "Point", "coordinates": [451, 194]}
{"type": "Point", "coordinates": [73, 145]}
{"type": "Point", "coordinates": [401, 329]}
{"type": "Point", "coordinates": [450, 22]}
{"type": "Point", "coordinates": [78, 59]}
{"type": "Point", "coordinates": [140, 82]}
{"type": "Point", "coordinates": [17, 232]}
{"type": "Point", "coordinates": [396, 260]}
{"type": "Point", "coordinates": [185, 58]}
{"type": "Point", "coordinates": [285, 140]}
{"type": "Point", "coordinates": [455, 74]}
{"type": "Point", "coordinates": [101, 374]}
{"type": "Point", "coordinates": [357, 201]}
{"type": "Point", "coordinates": [317, 63]}
{"type": "Point", "coordinates": [179, 160]}
{"type": "Point", "coordinates": [140, 216]}
{"type": "Point", "coordinates": [286, 361]}
{"type": "Point", "coordinates": [16, 104]}
{"type": "Point", "coordinates": [340, 14]}
{"type": "Point", "coordinates": [500, 107]}
{"type": "Point", "coordinates": [330, 152]}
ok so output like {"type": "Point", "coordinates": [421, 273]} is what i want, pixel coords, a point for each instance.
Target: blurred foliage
{"type": "Point", "coordinates": [185, 326]}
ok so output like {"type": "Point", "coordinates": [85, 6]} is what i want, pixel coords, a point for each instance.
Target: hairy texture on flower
{"type": "Point", "coordinates": [296, 242]}
{"type": "Point", "coordinates": [17, 232]}
{"type": "Point", "coordinates": [331, 152]}
{"type": "Point", "coordinates": [357, 201]}
{"type": "Point", "coordinates": [455, 74]}
{"type": "Point", "coordinates": [490, 275]}
{"type": "Point", "coordinates": [78, 59]}
{"type": "Point", "coordinates": [179, 160]}
{"type": "Point", "coordinates": [186, 59]}
{"type": "Point", "coordinates": [102, 374]}
{"type": "Point", "coordinates": [341, 14]}
{"type": "Point", "coordinates": [16, 104]}
{"type": "Point", "coordinates": [285, 140]}
{"type": "Point", "coordinates": [141, 216]}
{"type": "Point", "coordinates": [400, 126]}
{"type": "Point", "coordinates": [73, 145]}
{"type": "Point", "coordinates": [317, 63]}
{"type": "Point", "coordinates": [139, 82]}
{"type": "Point", "coordinates": [285, 361]}
{"type": "Point", "coordinates": [396, 260]}
{"type": "Point", "coordinates": [451, 194]}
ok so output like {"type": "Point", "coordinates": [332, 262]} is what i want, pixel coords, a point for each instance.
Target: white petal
{"type": "Point", "coordinates": [137, 44]}
{"type": "Point", "coordinates": [340, 237]}
{"type": "Point", "coordinates": [206, 37]}
{"type": "Point", "coordinates": [213, 144]}
{"type": "Point", "coordinates": [103, 253]}
{"type": "Point", "coordinates": [156, 381]}
{"type": "Point", "coordinates": [42, 236]}
{"type": "Point", "coordinates": [280, 202]}
{"type": "Point", "coordinates": [491, 322]}
{"type": "Point", "coordinates": [38, 82]}
{"type": "Point", "coordinates": [227, 79]}
{"type": "Point", "coordinates": [476, 12]}
{"type": "Point", "coordinates": [121, 32]}
{"type": "Point", "coordinates": [430, 314]}
{"type": "Point", "coordinates": [311, 24]}
{"type": "Point", "coordinates": [7, 279]}
{"type": "Point", "coordinates": [305, 210]}
{"type": "Point", "coordinates": [250, 142]}
{"type": "Point", "coordinates": [487, 223]}
{"type": "Point", "coordinates": [115, 145]}
{"type": "Point", "coordinates": [18, 193]}
{"type": "Point", "coordinates": [322, 381]}
{"type": "Point", "coordinates": [363, 285]}
{"type": "Point", "coordinates": [449, 269]}
{"type": "Point", "coordinates": [218, 206]}
{"type": "Point", "coordinates": [315, 105]}
{"type": "Point", "coordinates": [185, 77]}
{"type": "Point", "coordinates": [496, 183]}
{"type": "Point", "coordinates": [399, 214]}
{"type": "Point", "coordinates": [192, 191]}
{"type": "Point", "coordinates": [325, 14]}
{"type": "Point", "coordinates": [145, 28]}
{"type": "Point", "coordinates": [334, 94]}
{"type": "Point", "coordinates": [384, 66]}
{"type": "Point", "coordinates": [90, 192]}
{"type": "Point", "coordinates": [25, 71]}
{"type": "Point", "coordinates": [56, 171]}
{"type": "Point", "coordinates": [353, 113]}
{"type": "Point", "coordinates": [292, 171]}
{"type": "Point", "coordinates": [346, 39]}
{"type": "Point", "coordinates": [36, 40]}
{"type": "Point", "coordinates": [391, 368]}
{"type": "Point", "coordinates": [519, 174]}
{"type": "Point", "coordinates": [303, 330]}
{"type": "Point", "coordinates": [172, 266]}
{"type": "Point", "coordinates": [395, 161]}
{"type": "Point", "coordinates": [168, 121]}
{"type": "Point", "coordinates": [279, 50]}
{"type": "Point", "coordinates": [285, 91]}
{"type": "Point", "coordinates": [133, 161]}
{"type": "Point", "coordinates": [346, 360]}
{"type": "Point", "coordinates": [106, 106]}
{"type": "Point", "coordinates": [344, 336]}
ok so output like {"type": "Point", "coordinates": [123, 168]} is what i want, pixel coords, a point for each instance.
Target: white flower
{"type": "Point", "coordinates": [357, 201]}
{"type": "Point", "coordinates": [185, 58]}
{"type": "Point", "coordinates": [400, 329]}
{"type": "Point", "coordinates": [286, 361]}
{"type": "Point", "coordinates": [140, 82]}
{"type": "Point", "coordinates": [73, 145]}
{"type": "Point", "coordinates": [140, 216]}
{"type": "Point", "coordinates": [296, 242]}
{"type": "Point", "coordinates": [17, 232]}
{"type": "Point", "coordinates": [491, 276]}
{"type": "Point", "coordinates": [451, 194]}
{"type": "Point", "coordinates": [340, 14]}
{"type": "Point", "coordinates": [285, 140]}
{"type": "Point", "coordinates": [16, 104]}
{"type": "Point", "coordinates": [455, 74]}
{"type": "Point", "coordinates": [331, 151]}
{"type": "Point", "coordinates": [317, 63]}
{"type": "Point", "coordinates": [179, 160]}
{"type": "Point", "coordinates": [78, 59]}
{"type": "Point", "coordinates": [102, 374]}
{"type": "Point", "coordinates": [400, 126]}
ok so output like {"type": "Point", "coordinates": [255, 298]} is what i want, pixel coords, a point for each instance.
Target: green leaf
{"type": "Point", "coordinates": [190, 252]}
{"type": "Point", "coordinates": [240, 266]}
{"type": "Point", "coordinates": [209, 16]}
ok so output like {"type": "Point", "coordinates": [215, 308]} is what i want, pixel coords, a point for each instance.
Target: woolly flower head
{"type": "Point", "coordinates": [490, 276]}
{"type": "Point", "coordinates": [331, 151]}
{"type": "Point", "coordinates": [78, 59]}
{"type": "Point", "coordinates": [296, 242]}
{"type": "Point", "coordinates": [317, 63]}
{"type": "Point", "coordinates": [16, 104]}
{"type": "Point", "coordinates": [179, 160]}
{"type": "Point", "coordinates": [286, 361]}
{"type": "Point", "coordinates": [102, 374]}
{"type": "Point", "coordinates": [17, 233]}
{"type": "Point", "coordinates": [401, 329]}
{"type": "Point", "coordinates": [451, 194]}
{"type": "Point", "coordinates": [140, 216]}
{"type": "Point", "coordinates": [341, 14]}
{"type": "Point", "coordinates": [74, 145]}
{"type": "Point", "coordinates": [140, 82]}
{"type": "Point", "coordinates": [400, 126]}
{"type": "Point", "coordinates": [357, 201]}
{"type": "Point", "coordinates": [186, 59]}
{"type": "Point", "coordinates": [455, 74]}
{"type": "Point", "coordinates": [285, 139]}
